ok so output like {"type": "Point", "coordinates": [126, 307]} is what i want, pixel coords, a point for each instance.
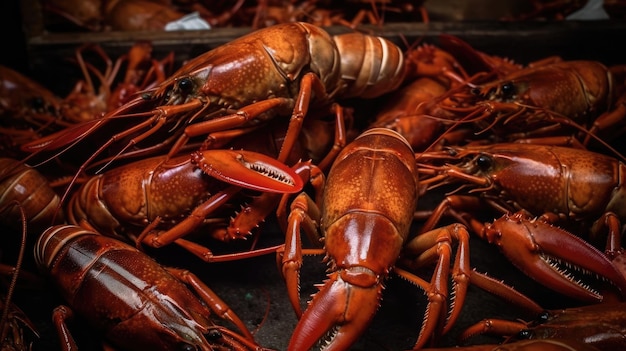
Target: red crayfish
{"type": "Point", "coordinates": [131, 299]}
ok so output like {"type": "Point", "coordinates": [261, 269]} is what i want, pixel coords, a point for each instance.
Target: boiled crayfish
{"type": "Point", "coordinates": [28, 110]}
{"type": "Point", "coordinates": [135, 302]}
{"type": "Point", "coordinates": [600, 326]}
{"type": "Point", "coordinates": [575, 189]}
{"type": "Point", "coordinates": [545, 99]}
{"type": "Point", "coordinates": [572, 185]}
{"type": "Point", "coordinates": [363, 218]}
{"type": "Point", "coordinates": [157, 201]}
{"type": "Point", "coordinates": [351, 295]}
{"type": "Point", "coordinates": [276, 71]}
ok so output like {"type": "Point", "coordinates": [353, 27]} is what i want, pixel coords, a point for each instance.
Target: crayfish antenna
{"type": "Point", "coordinates": [4, 327]}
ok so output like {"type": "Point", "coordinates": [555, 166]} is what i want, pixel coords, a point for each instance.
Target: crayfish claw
{"type": "Point", "coordinates": [248, 169]}
{"type": "Point", "coordinates": [337, 316]}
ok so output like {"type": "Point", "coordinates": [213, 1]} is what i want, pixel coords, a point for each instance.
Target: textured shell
{"type": "Point", "coordinates": [135, 194]}
{"type": "Point", "coordinates": [121, 291]}
{"type": "Point", "coordinates": [572, 182]}
{"type": "Point", "coordinates": [576, 89]}
{"type": "Point", "coordinates": [263, 64]}
{"type": "Point", "coordinates": [27, 186]}
{"type": "Point", "coordinates": [369, 200]}
{"type": "Point", "coordinates": [370, 65]}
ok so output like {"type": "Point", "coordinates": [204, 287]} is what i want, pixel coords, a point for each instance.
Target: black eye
{"type": "Point", "coordinates": [543, 317]}
{"type": "Point", "coordinates": [37, 103]}
{"type": "Point", "coordinates": [185, 347]}
{"type": "Point", "coordinates": [508, 89]}
{"type": "Point", "coordinates": [185, 85]}
{"type": "Point", "coordinates": [484, 162]}
{"type": "Point", "coordinates": [214, 334]}
{"type": "Point", "coordinates": [524, 334]}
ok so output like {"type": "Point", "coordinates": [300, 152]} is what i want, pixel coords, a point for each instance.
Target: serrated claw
{"type": "Point", "coordinates": [248, 169]}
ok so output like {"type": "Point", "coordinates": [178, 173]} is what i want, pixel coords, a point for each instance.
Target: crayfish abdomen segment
{"type": "Point", "coordinates": [370, 66]}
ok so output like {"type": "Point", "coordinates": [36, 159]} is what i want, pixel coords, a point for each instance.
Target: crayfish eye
{"type": "Point", "coordinates": [484, 162]}
{"type": "Point", "coordinates": [37, 103]}
{"type": "Point", "coordinates": [525, 334]}
{"type": "Point", "coordinates": [543, 317]}
{"type": "Point", "coordinates": [508, 89]}
{"type": "Point", "coordinates": [185, 347]}
{"type": "Point", "coordinates": [214, 334]}
{"type": "Point", "coordinates": [185, 85]}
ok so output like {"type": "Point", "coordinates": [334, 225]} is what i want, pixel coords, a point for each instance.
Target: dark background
{"type": "Point", "coordinates": [14, 52]}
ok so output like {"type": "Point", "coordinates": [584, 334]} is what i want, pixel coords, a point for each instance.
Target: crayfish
{"type": "Point", "coordinates": [131, 299]}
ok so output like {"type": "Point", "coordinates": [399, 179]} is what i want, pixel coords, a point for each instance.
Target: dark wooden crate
{"type": "Point", "coordinates": [48, 53]}
{"type": "Point", "coordinates": [521, 41]}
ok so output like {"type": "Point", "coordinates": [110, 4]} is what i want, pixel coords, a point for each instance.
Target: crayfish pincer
{"type": "Point", "coordinates": [136, 303]}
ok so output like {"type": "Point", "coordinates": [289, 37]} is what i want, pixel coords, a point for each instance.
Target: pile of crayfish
{"type": "Point", "coordinates": [402, 168]}
{"type": "Point", "coordinates": [143, 15]}
{"type": "Point", "coordinates": [146, 15]}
